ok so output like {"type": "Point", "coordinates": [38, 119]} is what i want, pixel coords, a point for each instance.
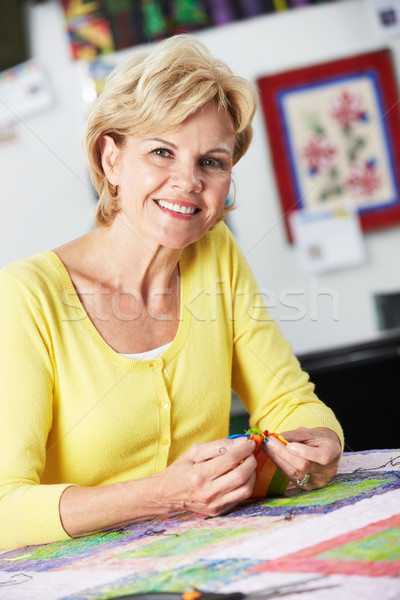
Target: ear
{"type": "Point", "coordinates": [109, 154]}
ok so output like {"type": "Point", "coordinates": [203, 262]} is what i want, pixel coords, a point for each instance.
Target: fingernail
{"type": "Point", "coordinates": [292, 448]}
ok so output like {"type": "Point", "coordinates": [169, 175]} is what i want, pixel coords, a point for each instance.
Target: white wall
{"type": "Point", "coordinates": [46, 197]}
{"type": "Point", "coordinates": [45, 192]}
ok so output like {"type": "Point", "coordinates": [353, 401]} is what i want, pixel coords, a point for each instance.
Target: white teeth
{"type": "Point", "coordinates": [186, 210]}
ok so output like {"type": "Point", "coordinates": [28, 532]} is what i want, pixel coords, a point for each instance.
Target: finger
{"type": "Point", "coordinates": [227, 500]}
{"type": "Point", "coordinates": [317, 455]}
{"type": "Point", "coordinates": [234, 486]}
{"type": "Point", "coordinates": [312, 446]}
{"type": "Point", "coordinates": [301, 434]}
{"type": "Point", "coordinates": [297, 466]}
{"type": "Point", "coordinates": [214, 496]}
{"type": "Point", "coordinates": [231, 460]}
{"type": "Point", "coordinates": [232, 498]}
{"type": "Point", "coordinates": [313, 437]}
{"type": "Point", "coordinates": [324, 454]}
{"type": "Point", "coordinates": [235, 478]}
{"type": "Point", "coordinates": [212, 460]}
{"type": "Point", "coordinates": [293, 466]}
{"type": "Point", "coordinates": [277, 451]}
{"type": "Point", "coordinates": [209, 450]}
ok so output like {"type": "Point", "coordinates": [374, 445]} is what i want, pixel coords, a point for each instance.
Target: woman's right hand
{"type": "Point", "coordinates": [209, 478]}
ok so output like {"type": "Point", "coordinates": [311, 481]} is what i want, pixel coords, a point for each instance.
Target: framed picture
{"type": "Point", "coordinates": [334, 130]}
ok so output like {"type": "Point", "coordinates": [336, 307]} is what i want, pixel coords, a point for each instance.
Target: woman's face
{"type": "Point", "coordinates": [173, 185]}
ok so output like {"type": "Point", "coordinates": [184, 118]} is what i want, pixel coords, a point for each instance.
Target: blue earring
{"type": "Point", "coordinates": [228, 201]}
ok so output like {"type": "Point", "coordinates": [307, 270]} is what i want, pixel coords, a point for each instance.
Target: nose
{"type": "Point", "coordinates": [186, 177]}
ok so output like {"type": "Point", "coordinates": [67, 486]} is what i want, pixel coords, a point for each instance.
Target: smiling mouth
{"type": "Point", "coordinates": [184, 210]}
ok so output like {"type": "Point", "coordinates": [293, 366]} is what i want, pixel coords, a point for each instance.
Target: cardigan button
{"type": "Point", "coordinates": [165, 442]}
{"type": "Point", "coordinates": [164, 403]}
{"type": "Point", "coordinates": [156, 364]}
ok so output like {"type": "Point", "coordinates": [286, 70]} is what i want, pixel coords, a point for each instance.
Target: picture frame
{"type": "Point", "coordinates": [334, 132]}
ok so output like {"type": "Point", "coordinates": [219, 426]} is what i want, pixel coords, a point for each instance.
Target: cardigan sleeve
{"type": "Point", "coordinates": [29, 512]}
{"type": "Point", "coordinates": [265, 374]}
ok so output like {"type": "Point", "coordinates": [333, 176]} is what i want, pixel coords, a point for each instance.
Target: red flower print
{"type": "Point", "coordinates": [319, 154]}
{"type": "Point", "coordinates": [347, 109]}
{"type": "Point", "coordinates": [363, 179]}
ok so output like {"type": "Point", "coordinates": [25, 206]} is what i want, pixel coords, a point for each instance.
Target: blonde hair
{"type": "Point", "coordinates": [157, 91]}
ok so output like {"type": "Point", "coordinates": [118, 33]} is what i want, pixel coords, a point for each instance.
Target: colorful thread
{"type": "Point", "coordinates": [270, 481]}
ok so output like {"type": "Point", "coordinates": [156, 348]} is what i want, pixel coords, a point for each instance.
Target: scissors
{"type": "Point", "coordinates": [270, 592]}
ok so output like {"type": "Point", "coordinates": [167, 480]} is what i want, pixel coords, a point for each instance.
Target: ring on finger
{"type": "Point", "coordinates": [303, 482]}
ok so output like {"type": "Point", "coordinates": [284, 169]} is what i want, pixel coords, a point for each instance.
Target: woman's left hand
{"type": "Point", "coordinates": [310, 452]}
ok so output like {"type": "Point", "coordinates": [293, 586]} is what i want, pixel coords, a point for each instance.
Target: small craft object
{"type": "Point", "coordinates": [270, 481]}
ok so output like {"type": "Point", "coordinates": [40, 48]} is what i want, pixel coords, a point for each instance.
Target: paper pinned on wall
{"type": "Point", "coordinates": [327, 240]}
{"type": "Point", "coordinates": [24, 91]}
{"type": "Point", "coordinates": [385, 17]}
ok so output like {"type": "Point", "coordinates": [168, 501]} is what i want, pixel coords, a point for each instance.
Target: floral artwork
{"type": "Point", "coordinates": [334, 130]}
{"type": "Point", "coordinates": [339, 152]}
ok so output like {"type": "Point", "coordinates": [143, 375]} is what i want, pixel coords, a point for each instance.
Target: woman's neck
{"type": "Point", "coordinates": [122, 261]}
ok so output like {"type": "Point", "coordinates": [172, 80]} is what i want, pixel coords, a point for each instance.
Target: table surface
{"type": "Point", "coordinates": [345, 537]}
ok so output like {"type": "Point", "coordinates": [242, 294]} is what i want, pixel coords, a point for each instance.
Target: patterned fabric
{"type": "Point", "coordinates": [343, 540]}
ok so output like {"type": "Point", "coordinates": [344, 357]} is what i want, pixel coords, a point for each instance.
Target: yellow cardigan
{"type": "Point", "coordinates": [73, 411]}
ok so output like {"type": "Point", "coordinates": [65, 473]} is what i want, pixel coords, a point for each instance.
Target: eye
{"type": "Point", "coordinates": [163, 152]}
{"type": "Point", "coordinates": [213, 163]}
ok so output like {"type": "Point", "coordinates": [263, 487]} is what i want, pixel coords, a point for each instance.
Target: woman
{"type": "Point", "coordinates": [119, 349]}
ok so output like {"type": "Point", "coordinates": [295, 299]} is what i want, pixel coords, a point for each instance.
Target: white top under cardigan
{"type": "Point", "coordinates": [150, 354]}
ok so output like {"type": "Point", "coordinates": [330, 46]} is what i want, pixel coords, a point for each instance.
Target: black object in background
{"type": "Point", "coordinates": [14, 43]}
{"type": "Point", "coordinates": [13, 38]}
{"type": "Point", "coordinates": [361, 383]}
{"type": "Point", "coordinates": [388, 309]}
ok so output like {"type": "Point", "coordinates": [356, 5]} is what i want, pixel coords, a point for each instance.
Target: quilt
{"type": "Point", "coordinates": [340, 541]}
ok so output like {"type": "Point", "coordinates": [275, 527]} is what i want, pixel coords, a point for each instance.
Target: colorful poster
{"type": "Point", "coordinates": [96, 27]}
{"type": "Point", "coordinates": [88, 29]}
